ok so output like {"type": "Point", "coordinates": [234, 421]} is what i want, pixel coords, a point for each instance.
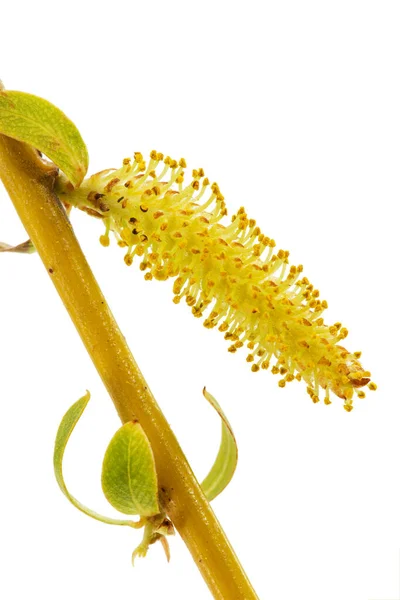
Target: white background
{"type": "Point", "coordinates": [293, 107]}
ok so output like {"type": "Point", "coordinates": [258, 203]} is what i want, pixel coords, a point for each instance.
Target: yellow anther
{"type": "Point", "coordinates": [104, 240]}
{"type": "Point", "coordinates": [324, 361]}
{"type": "Point", "coordinates": [356, 375]}
{"type": "Point", "coordinates": [303, 344]}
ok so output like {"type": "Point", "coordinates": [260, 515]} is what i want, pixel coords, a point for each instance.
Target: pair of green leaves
{"type": "Point", "coordinates": [129, 477]}
{"type": "Point", "coordinates": [40, 124]}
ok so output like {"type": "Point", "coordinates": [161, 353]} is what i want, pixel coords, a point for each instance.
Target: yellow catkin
{"type": "Point", "coordinates": [228, 273]}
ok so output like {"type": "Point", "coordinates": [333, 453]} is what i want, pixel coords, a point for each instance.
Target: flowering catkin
{"type": "Point", "coordinates": [230, 274]}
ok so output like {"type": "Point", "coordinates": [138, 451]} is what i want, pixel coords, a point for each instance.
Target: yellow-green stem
{"type": "Point", "coordinates": [29, 183]}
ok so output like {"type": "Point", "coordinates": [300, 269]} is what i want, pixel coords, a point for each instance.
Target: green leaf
{"type": "Point", "coordinates": [129, 476]}
{"type": "Point", "coordinates": [65, 429]}
{"type": "Point", "coordinates": [224, 466]}
{"type": "Point", "coordinates": [24, 248]}
{"type": "Point", "coordinates": [37, 122]}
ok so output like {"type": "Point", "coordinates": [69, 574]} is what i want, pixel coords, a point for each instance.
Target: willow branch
{"type": "Point", "coordinates": [30, 185]}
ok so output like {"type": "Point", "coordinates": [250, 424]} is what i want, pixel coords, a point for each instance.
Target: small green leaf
{"type": "Point", "coordinates": [24, 248]}
{"type": "Point", "coordinates": [37, 122]}
{"type": "Point", "coordinates": [65, 429]}
{"type": "Point", "coordinates": [224, 466]}
{"type": "Point", "coordinates": [129, 476]}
